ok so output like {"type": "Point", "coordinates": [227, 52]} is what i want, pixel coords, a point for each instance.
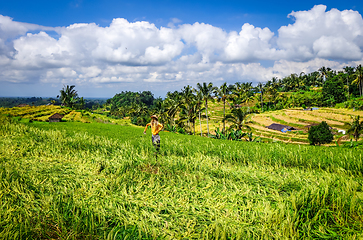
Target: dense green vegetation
{"type": "Point", "coordinates": [181, 110]}
{"type": "Point", "coordinates": [356, 127]}
{"type": "Point", "coordinates": [14, 101]}
{"type": "Point", "coordinates": [38, 101]}
{"type": "Point", "coordinates": [320, 134]}
{"type": "Point", "coordinates": [72, 180]}
{"type": "Point", "coordinates": [253, 125]}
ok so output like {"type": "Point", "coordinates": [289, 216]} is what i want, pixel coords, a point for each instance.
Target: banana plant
{"type": "Point", "coordinates": [235, 135]}
{"type": "Point", "coordinates": [218, 135]}
{"type": "Point", "coordinates": [249, 138]}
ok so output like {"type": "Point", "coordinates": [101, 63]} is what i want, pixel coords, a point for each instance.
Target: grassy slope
{"type": "Point", "coordinates": [74, 180]}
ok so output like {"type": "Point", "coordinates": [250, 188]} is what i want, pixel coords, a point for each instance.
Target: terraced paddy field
{"type": "Point", "coordinates": [42, 114]}
{"type": "Point", "coordinates": [338, 119]}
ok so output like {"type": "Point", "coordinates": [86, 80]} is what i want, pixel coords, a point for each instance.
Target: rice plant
{"type": "Point", "coordinates": [100, 181]}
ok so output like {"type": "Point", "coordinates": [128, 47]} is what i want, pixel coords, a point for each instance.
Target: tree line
{"type": "Point", "coordinates": [32, 101]}
{"type": "Point", "coordinates": [181, 110]}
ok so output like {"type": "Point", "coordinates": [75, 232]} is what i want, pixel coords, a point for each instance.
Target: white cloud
{"type": "Point", "coordinates": [139, 43]}
{"type": "Point", "coordinates": [40, 51]}
{"type": "Point", "coordinates": [141, 54]}
{"type": "Point", "coordinates": [174, 21]}
{"type": "Point", "coordinates": [284, 68]}
{"type": "Point", "coordinates": [251, 43]}
{"type": "Point", "coordinates": [317, 33]}
{"type": "Point", "coordinates": [90, 72]}
{"type": "Point", "coordinates": [9, 30]}
{"type": "Point", "coordinates": [208, 40]}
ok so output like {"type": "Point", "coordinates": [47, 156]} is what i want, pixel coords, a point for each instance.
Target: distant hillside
{"type": "Point", "coordinates": [34, 101]}
{"type": "Point", "coordinates": [10, 102]}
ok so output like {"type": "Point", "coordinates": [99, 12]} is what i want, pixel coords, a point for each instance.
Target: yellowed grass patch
{"type": "Point", "coordinates": [320, 116]}
{"type": "Point", "coordinates": [344, 111]}
{"type": "Point", "coordinates": [70, 116]}
{"type": "Point", "coordinates": [288, 118]}
{"type": "Point", "coordinates": [262, 119]}
{"type": "Point", "coordinates": [336, 116]}
{"type": "Point", "coordinates": [38, 113]}
{"type": "Point", "coordinates": [313, 116]}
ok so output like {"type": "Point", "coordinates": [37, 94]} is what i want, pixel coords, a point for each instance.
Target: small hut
{"type": "Point", "coordinates": [22, 105]}
{"type": "Point", "coordinates": [56, 118]}
{"type": "Point", "coordinates": [280, 127]}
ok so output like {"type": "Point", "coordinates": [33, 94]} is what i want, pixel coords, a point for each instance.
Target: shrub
{"type": "Point", "coordinates": [320, 134]}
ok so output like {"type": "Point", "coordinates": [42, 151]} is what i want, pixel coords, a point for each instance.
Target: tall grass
{"type": "Point", "coordinates": [101, 181]}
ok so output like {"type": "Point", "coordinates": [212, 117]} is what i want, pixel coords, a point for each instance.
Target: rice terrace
{"type": "Point", "coordinates": [93, 176]}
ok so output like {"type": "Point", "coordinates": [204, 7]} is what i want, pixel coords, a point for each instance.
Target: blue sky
{"type": "Point", "coordinates": [164, 45]}
{"type": "Point", "coordinates": [229, 15]}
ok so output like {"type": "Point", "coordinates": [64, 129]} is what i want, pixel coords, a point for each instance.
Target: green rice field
{"type": "Point", "coordinates": [74, 180]}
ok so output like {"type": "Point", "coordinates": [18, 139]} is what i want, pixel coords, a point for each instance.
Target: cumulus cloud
{"type": "Point", "coordinates": [249, 44]}
{"type": "Point", "coordinates": [140, 53]}
{"type": "Point", "coordinates": [139, 43]}
{"type": "Point", "coordinates": [317, 33]}
{"type": "Point", "coordinates": [208, 40]}
{"type": "Point", "coordinates": [40, 51]}
{"type": "Point", "coordinates": [9, 30]}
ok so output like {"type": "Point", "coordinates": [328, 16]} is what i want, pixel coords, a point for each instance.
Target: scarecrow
{"type": "Point", "coordinates": [156, 127]}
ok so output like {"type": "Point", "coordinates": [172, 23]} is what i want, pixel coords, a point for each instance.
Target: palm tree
{"type": "Point", "coordinates": [206, 90]}
{"type": "Point", "coordinates": [302, 80]}
{"type": "Point", "coordinates": [260, 86]}
{"type": "Point", "coordinates": [359, 78]}
{"type": "Point", "coordinates": [223, 92]}
{"type": "Point", "coordinates": [272, 92]}
{"type": "Point", "coordinates": [198, 102]}
{"type": "Point", "coordinates": [188, 96]}
{"type": "Point", "coordinates": [324, 73]}
{"type": "Point", "coordinates": [311, 79]}
{"type": "Point", "coordinates": [356, 127]}
{"type": "Point", "coordinates": [68, 95]}
{"type": "Point", "coordinates": [161, 111]}
{"type": "Point", "coordinates": [238, 118]}
{"type": "Point", "coordinates": [275, 83]}
{"type": "Point", "coordinates": [190, 112]}
{"type": "Point", "coordinates": [243, 91]}
{"type": "Point", "coordinates": [294, 82]}
{"type": "Point", "coordinates": [349, 72]}
{"type": "Point", "coordinates": [137, 110]}
{"type": "Point", "coordinates": [172, 103]}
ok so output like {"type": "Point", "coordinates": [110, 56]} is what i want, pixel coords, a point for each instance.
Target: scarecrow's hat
{"type": "Point", "coordinates": [154, 116]}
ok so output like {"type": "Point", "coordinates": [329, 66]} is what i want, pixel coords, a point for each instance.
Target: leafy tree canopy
{"type": "Point", "coordinates": [128, 98]}
{"type": "Point", "coordinates": [68, 95]}
{"type": "Point", "coordinates": [320, 134]}
{"type": "Point", "coordinates": [333, 88]}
